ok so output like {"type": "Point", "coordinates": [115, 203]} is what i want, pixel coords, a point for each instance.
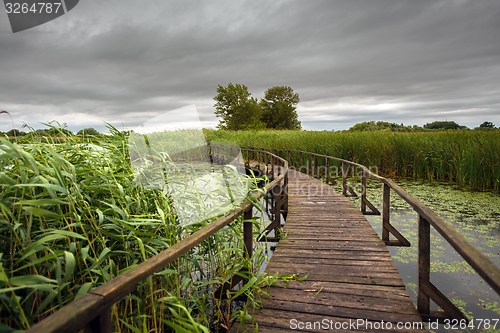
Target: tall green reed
{"type": "Point", "coordinates": [72, 218]}
{"type": "Point", "coordinates": [467, 158]}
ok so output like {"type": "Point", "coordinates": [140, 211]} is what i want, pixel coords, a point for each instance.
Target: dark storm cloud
{"type": "Point", "coordinates": [350, 61]}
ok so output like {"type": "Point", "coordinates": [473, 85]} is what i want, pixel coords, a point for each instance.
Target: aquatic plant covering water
{"type": "Point", "coordinates": [72, 217]}
{"type": "Point", "coordinates": [467, 158]}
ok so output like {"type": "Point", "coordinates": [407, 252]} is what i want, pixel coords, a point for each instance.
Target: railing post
{"type": "Point", "coordinates": [300, 161]}
{"type": "Point", "coordinates": [248, 232]}
{"type": "Point", "coordinates": [248, 237]}
{"type": "Point", "coordinates": [424, 264]}
{"type": "Point", "coordinates": [344, 178]}
{"type": "Point", "coordinates": [101, 323]}
{"type": "Point", "coordinates": [386, 212]}
{"type": "Point", "coordinates": [327, 170]}
{"type": "Point", "coordinates": [272, 165]}
{"type": "Point", "coordinates": [312, 164]}
{"type": "Point", "coordinates": [278, 191]}
{"type": "Point", "coordinates": [363, 192]}
{"type": "Point", "coordinates": [285, 195]}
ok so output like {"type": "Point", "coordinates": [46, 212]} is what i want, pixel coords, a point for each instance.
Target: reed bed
{"type": "Point", "coordinates": [468, 158]}
{"type": "Point", "coordinates": [72, 218]}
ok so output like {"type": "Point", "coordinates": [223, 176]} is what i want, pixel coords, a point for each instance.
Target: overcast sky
{"type": "Point", "coordinates": [126, 62]}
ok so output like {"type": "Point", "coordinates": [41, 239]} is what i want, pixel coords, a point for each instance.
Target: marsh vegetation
{"type": "Point", "coordinates": [72, 217]}
{"type": "Point", "coordinates": [470, 159]}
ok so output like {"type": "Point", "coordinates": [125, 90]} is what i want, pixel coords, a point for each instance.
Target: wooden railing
{"type": "Point", "coordinates": [320, 166]}
{"type": "Point", "coordinates": [92, 312]}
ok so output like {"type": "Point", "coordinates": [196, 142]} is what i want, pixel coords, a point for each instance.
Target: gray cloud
{"type": "Point", "coordinates": [127, 61]}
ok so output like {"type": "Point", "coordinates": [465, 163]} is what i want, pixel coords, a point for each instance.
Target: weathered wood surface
{"type": "Point", "coordinates": [350, 274]}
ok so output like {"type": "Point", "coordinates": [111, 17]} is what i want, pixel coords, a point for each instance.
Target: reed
{"type": "Point", "coordinates": [467, 158]}
{"type": "Point", "coordinates": [72, 218]}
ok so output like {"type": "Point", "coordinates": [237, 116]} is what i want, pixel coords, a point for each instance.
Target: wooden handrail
{"type": "Point", "coordinates": [92, 310]}
{"type": "Point", "coordinates": [427, 217]}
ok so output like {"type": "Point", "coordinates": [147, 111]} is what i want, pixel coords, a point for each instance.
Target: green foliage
{"type": "Point", "coordinates": [434, 126]}
{"type": "Point", "coordinates": [383, 125]}
{"type": "Point", "coordinates": [88, 132]}
{"type": "Point", "coordinates": [55, 131]}
{"type": "Point", "coordinates": [237, 108]}
{"type": "Point", "coordinates": [487, 124]}
{"type": "Point", "coordinates": [15, 133]}
{"type": "Point", "coordinates": [279, 108]}
{"type": "Point", "coordinates": [444, 125]}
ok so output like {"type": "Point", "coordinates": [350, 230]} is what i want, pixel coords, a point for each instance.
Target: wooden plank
{"type": "Point", "coordinates": [337, 255]}
{"type": "Point", "coordinates": [345, 288]}
{"type": "Point", "coordinates": [335, 268]}
{"type": "Point", "coordinates": [366, 280]}
{"type": "Point", "coordinates": [332, 252]}
{"type": "Point", "coordinates": [285, 321]}
{"type": "Point", "coordinates": [329, 310]}
{"type": "Point", "coordinates": [332, 299]}
{"type": "Point", "coordinates": [326, 247]}
{"type": "Point", "coordinates": [300, 229]}
{"type": "Point", "coordinates": [298, 260]}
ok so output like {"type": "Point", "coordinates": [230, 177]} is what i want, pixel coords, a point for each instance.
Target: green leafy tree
{"type": "Point", "coordinates": [15, 133]}
{"type": "Point", "coordinates": [58, 131]}
{"type": "Point", "coordinates": [384, 126]}
{"type": "Point", "coordinates": [487, 124]}
{"type": "Point", "coordinates": [444, 125]}
{"type": "Point", "coordinates": [364, 126]}
{"type": "Point", "coordinates": [88, 132]}
{"type": "Point", "coordinates": [279, 108]}
{"type": "Point", "coordinates": [237, 108]}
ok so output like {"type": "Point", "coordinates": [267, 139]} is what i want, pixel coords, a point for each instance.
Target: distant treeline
{"type": "Point", "coordinates": [434, 126]}
{"type": "Point", "coordinates": [359, 127]}
{"type": "Point", "coordinates": [52, 131]}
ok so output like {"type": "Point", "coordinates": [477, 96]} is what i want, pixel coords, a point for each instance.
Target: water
{"type": "Point", "coordinates": [476, 215]}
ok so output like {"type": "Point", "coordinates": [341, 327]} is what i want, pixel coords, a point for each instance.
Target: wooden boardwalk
{"type": "Point", "coordinates": [352, 283]}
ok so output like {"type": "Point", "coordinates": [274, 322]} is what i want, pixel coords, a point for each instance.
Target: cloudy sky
{"type": "Point", "coordinates": [125, 62]}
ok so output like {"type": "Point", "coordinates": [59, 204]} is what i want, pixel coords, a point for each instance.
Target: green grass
{"type": "Point", "coordinates": [72, 218]}
{"type": "Point", "coordinates": [467, 158]}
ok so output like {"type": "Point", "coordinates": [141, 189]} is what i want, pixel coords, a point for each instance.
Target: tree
{"type": "Point", "coordinates": [58, 131]}
{"type": "Point", "coordinates": [487, 124]}
{"type": "Point", "coordinates": [15, 133]}
{"type": "Point", "coordinates": [237, 108]}
{"type": "Point", "coordinates": [384, 125]}
{"type": "Point", "coordinates": [444, 125]}
{"type": "Point", "coordinates": [279, 108]}
{"type": "Point", "coordinates": [88, 132]}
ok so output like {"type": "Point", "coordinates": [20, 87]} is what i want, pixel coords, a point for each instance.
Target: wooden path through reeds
{"type": "Point", "coordinates": [351, 282]}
